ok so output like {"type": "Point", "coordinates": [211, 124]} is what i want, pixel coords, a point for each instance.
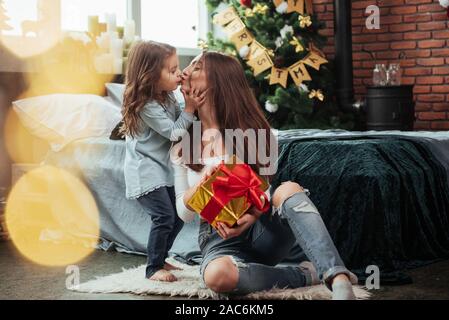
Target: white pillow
{"type": "Point", "coordinates": [62, 118]}
{"type": "Point", "coordinates": [115, 91]}
{"type": "Point", "coordinates": [113, 103]}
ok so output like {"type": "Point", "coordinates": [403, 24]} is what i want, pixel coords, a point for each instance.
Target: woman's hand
{"type": "Point", "coordinates": [256, 212]}
{"type": "Point", "coordinates": [193, 99]}
{"type": "Point", "coordinates": [242, 224]}
{"type": "Point", "coordinates": [246, 221]}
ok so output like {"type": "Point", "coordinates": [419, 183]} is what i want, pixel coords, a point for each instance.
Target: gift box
{"type": "Point", "coordinates": [226, 195]}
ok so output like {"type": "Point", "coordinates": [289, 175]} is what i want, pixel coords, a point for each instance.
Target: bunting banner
{"type": "Point", "coordinates": [295, 6]}
{"type": "Point", "coordinates": [260, 63]}
{"type": "Point", "coordinates": [242, 38]}
{"type": "Point", "coordinates": [259, 57]}
{"type": "Point", "coordinates": [279, 76]}
{"type": "Point", "coordinates": [299, 73]}
{"type": "Point", "coordinates": [314, 60]}
{"type": "Point", "coordinates": [225, 16]}
{"type": "Point", "coordinates": [235, 26]}
{"type": "Point", "coordinates": [300, 6]}
{"type": "Point", "coordinates": [255, 50]}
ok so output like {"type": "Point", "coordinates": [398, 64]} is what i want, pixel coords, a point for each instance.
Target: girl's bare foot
{"type": "Point", "coordinates": [163, 275]}
{"type": "Point", "coordinates": [170, 267]}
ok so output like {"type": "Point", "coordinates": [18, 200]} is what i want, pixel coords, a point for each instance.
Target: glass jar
{"type": "Point", "coordinates": [394, 74]}
{"type": "Point", "coordinates": [380, 75]}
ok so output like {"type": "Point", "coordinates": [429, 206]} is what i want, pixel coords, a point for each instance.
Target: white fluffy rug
{"type": "Point", "coordinates": [189, 285]}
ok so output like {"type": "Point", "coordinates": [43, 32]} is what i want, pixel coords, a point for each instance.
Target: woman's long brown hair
{"type": "Point", "coordinates": [234, 102]}
{"type": "Point", "coordinates": [145, 63]}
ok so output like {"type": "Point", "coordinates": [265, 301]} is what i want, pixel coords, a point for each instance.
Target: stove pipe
{"type": "Point", "coordinates": [343, 54]}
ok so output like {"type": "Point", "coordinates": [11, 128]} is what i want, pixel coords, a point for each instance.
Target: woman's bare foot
{"type": "Point", "coordinates": [163, 275]}
{"type": "Point", "coordinates": [170, 267]}
{"type": "Point", "coordinates": [342, 288]}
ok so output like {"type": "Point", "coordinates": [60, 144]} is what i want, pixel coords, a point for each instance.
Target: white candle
{"type": "Point", "coordinates": [104, 63]}
{"type": "Point", "coordinates": [129, 31]}
{"type": "Point", "coordinates": [99, 63]}
{"type": "Point", "coordinates": [112, 36]}
{"type": "Point", "coordinates": [111, 22]}
{"type": "Point", "coordinates": [117, 48]}
{"type": "Point", "coordinates": [118, 66]}
{"type": "Point", "coordinates": [109, 63]}
{"type": "Point", "coordinates": [104, 40]}
{"type": "Point", "coordinates": [93, 25]}
{"type": "Point", "coordinates": [100, 42]}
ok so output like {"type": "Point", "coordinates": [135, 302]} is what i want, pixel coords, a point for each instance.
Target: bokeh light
{"type": "Point", "coordinates": [25, 47]}
{"type": "Point", "coordinates": [32, 26]}
{"type": "Point", "coordinates": [22, 147]}
{"type": "Point", "coordinates": [64, 76]}
{"type": "Point", "coordinates": [52, 217]}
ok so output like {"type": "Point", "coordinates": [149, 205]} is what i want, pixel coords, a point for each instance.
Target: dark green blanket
{"type": "Point", "coordinates": [384, 200]}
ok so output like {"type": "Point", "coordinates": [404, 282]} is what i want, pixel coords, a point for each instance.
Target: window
{"type": "Point", "coordinates": [74, 13]}
{"type": "Point", "coordinates": [29, 27]}
{"type": "Point", "coordinates": [18, 11]}
{"type": "Point", "coordinates": [179, 23]}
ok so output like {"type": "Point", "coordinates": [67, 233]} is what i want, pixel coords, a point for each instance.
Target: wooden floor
{"type": "Point", "coordinates": [21, 279]}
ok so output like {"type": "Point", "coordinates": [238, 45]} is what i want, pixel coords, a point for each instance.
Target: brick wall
{"type": "Point", "coordinates": [420, 29]}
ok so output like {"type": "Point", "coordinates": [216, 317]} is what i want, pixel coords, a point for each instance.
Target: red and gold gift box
{"type": "Point", "coordinates": [229, 193]}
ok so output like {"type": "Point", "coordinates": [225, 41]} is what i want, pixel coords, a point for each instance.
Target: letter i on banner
{"type": "Point", "coordinates": [255, 50]}
{"type": "Point", "coordinates": [299, 73]}
{"type": "Point", "coordinates": [279, 76]}
{"type": "Point", "coordinates": [224, 17]}
{"type": "Point", "coordinates": [260, 63]}
{"type": "Point", "coordinates": [295, 6]}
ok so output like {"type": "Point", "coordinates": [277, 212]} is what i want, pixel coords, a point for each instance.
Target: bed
{"type": "Point", "coordinates": [384, 196]}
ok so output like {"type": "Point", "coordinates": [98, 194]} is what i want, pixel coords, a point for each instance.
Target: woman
{"type": "Point", "coordinates": [243, 259]}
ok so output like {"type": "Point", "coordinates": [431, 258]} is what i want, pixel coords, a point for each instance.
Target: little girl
{"type": "Point", "coordinates": [152, 120]}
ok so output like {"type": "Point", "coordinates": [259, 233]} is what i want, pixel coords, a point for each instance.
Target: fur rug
{"type": "Point", "coordinates": [189, 285]}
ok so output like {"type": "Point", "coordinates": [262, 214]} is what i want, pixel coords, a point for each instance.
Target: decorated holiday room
{"type": "Point", "coordinates": [134, 160]}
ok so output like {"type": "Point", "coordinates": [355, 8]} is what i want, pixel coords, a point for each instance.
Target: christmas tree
{"type": "Point", "coordinates": [278, 44]}
{"type": "Point", "coordinates": [3, 18]}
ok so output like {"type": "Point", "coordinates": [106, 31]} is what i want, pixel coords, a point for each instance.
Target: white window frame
{"type": "Point", "coordinates": [204, 25]}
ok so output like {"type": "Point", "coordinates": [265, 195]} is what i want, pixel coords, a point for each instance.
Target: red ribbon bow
{"type": "Point", "coordinates": [238, 182]}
